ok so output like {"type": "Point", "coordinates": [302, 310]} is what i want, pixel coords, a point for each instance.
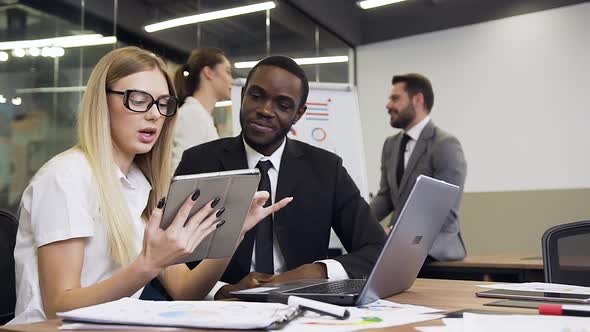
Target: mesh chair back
{"type": "Point", "coordinates": [8, 228]}
{"type": "Point", "coordinates": [566, 254]}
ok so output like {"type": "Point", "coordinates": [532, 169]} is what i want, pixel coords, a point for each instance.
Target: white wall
{"type": "Point", "coordinates": [514, 91]}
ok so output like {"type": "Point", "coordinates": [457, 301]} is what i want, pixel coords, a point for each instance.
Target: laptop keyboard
{"type": "Point", "coordinates": [347, 286]}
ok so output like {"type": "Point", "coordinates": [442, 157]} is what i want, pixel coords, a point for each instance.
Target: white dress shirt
{"type": "Point", "coordinates": [335, 270]}
{"type": "Point", "coordinates": [414, 134]}
{"type": "Point", "coordinates": [194, 126]}
{"type": "Point", "coordinates": [60, 204]}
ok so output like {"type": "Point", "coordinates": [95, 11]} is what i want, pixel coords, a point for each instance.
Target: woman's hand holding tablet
{"type": "Point", "coordinates": [241, 207]}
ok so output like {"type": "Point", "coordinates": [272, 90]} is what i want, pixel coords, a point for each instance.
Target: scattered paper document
{"type": "Point", "coordinates": [384, 305]}
{"type": "Point", "coordinates": [360, 319]}
{"type": "Point", "coordinates": [131, 313]}
{"type": "Point", "coordinates": [506, 323]}
{"type": "Point", "coordinates": [108, 327]}
{"type": "Point", "coordinates": [450, 325]}
{"type": "Point", "coordinates": [198, 314]}
{"type": "Point", "coordinates": [524, 323]}
{"type": "Point", "coordinates": [453, 324]}
{"type": "Point", "coordinates": [440, 328]}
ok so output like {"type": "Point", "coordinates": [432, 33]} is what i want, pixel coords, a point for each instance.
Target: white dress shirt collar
{"type": "Point", "coordinates": [254, 156]}
{"type": "Point", "coordinates": [135, 179]}
{"type": "Point", "coordinates": [415, 131]}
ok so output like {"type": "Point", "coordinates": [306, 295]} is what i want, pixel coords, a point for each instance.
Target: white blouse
{"type": "Point", "coordinates": [194, 126]}
{"type": "Point", "coordinates": [60, 203]}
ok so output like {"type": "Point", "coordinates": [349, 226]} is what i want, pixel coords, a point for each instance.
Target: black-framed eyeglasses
{"type": "Point", "coordinates": [141, 101]}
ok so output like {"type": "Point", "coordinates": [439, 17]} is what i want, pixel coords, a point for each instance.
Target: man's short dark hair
{"type": "Point", "coordinates": [416, 83]}
{"type": "Point", "coordinates": [288, 64]}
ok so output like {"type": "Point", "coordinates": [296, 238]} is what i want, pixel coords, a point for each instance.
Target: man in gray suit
{"type": "Point", "coordinates": [420, 148]}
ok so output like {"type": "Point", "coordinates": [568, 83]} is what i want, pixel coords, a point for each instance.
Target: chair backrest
{"type": "Point", "coordinates": [566, 253]}
{"type": "Point", "coordinates": [8, 228]}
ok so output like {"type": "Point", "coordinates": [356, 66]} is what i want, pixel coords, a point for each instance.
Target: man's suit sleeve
{"type": "Point", "coordinates": [450, 166]}
{"type": "Point", "coordinates": [356, 227]}
{"type": "Point", "coordinates": [449, 162]}
{"type": "Point", "coordinates": [381, 204]}
{"type": "Point", "coordinates": [183, 167]}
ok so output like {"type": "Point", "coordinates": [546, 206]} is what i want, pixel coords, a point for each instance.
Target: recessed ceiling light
{"type": "Point", "coordinates": [223, 103]}
{"type": "Point", "coordinates": [34, 51]}
{"type": "Point", "coordinates": [65, 42]}
{"type": "Point", "coordinates": [210, 16]}
{"type": "Point", "coordinates": [300, 61]}
{"type": "Point", "coordinates": [368, 4]}
{"type": "Point", "coordinates": [18, 52]}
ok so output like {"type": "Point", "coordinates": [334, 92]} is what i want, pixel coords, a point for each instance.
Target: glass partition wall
{"type": "Point", "coordinates": [48, 49]}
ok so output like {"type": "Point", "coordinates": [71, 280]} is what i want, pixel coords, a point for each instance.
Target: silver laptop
{"type": "Point", "coordinates": [409, 242]}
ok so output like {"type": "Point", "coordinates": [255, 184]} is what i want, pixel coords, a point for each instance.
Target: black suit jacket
{"type": "Point", "coordinates": [324, 197]}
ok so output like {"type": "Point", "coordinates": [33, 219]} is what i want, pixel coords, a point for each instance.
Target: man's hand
{"type": "Point", "coordinates": [256, 279]}
{"type": "Point", "coordinates": [306, 271]}
{"type": "Point", "coordinates": [257, 211]}
{"type": "Point", "coordinates": [253, 279]}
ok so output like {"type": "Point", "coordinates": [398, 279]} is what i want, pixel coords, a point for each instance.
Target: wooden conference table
{"type": "Point", "coordinates": [502, 268]}
{"type": "Point", "coordinates": [448, 295]}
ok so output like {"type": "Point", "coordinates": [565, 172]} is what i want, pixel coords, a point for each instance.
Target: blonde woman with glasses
{"type": "Point", "coordinates": [89, 222]}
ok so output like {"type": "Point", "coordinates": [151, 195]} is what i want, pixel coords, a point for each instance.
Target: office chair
{"type": "Point", "coordinates": [566, 253]}
{"type": "Point", "coordinates": [8, 228]}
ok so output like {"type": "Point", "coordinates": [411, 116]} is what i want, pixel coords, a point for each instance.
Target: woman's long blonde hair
{"type": "Point", "coordinates": [94, 132]}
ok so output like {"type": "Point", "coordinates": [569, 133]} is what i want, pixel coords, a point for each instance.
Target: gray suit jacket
{"type": "Point", "coordinates": [436, 154]}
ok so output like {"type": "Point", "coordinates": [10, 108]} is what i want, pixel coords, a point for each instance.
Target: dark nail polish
{"type": "Point", "coordinates": [161, 203]}
{"type": "Point", "coordinates": [220, 223]}
{"type": "Point", "coordinates": [220, 212]}
{"type": "Point", "coordinates": [196, 195]}
{"type": "Point", "coordinates": [215, 202]}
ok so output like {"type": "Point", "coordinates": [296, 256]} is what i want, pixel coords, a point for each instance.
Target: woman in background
{"type": "Point", "coordinates": [204, 80]}
{"type": "Point", "coordinates": [89, 227]}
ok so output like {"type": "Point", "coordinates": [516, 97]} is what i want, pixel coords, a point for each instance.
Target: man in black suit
{"type": "Point", "coordinates": [292, 244]}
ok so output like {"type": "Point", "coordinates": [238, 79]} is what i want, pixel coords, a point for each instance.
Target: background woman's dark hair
{"type": "Point", "coordinates": [199, 59]}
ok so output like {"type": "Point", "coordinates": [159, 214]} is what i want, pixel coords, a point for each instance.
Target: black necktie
{"type": "Point", "coordinates": [401, 158]}
{"type": "Point", "coordinates": [264, 233]}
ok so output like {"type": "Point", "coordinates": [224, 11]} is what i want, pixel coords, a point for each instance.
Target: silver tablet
{"type": "Point", "coordinates": [235, 189]}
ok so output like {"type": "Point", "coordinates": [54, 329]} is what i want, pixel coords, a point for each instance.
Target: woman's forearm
{"type": "Point", "coordinates": [185, 284]}
{"type": "Point", "coordinates": [122, 284]}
